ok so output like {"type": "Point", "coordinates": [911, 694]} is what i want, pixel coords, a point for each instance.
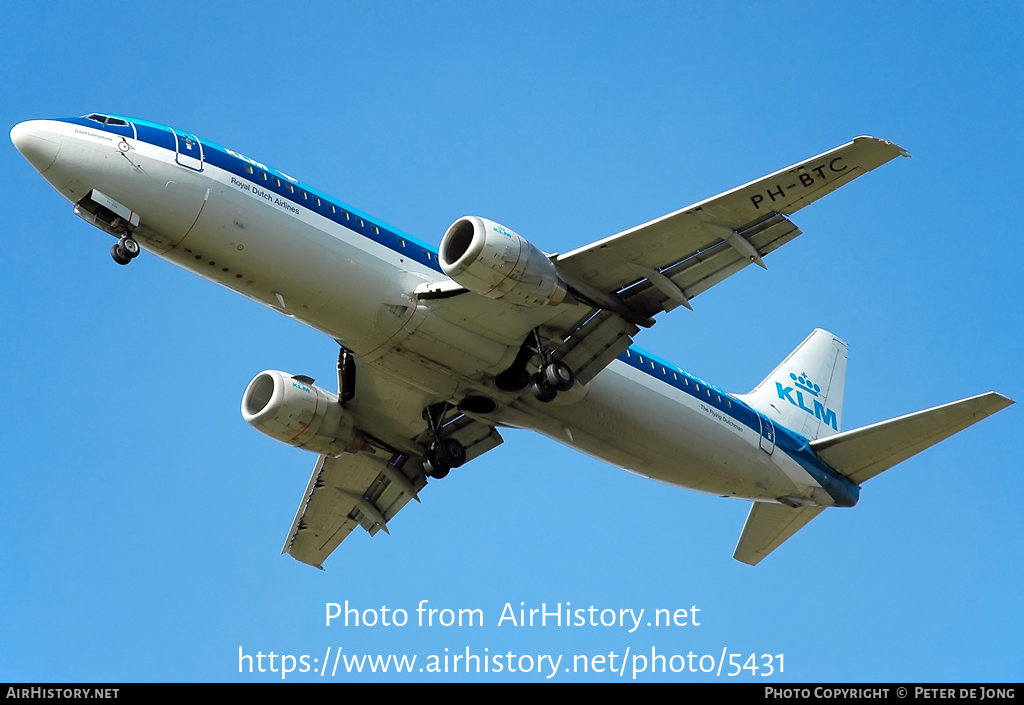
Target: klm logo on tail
{"type": "Point", "coordinates": [803, 384]}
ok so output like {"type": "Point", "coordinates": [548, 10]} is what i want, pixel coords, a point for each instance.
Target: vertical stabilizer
{"type": "Point", "coordinates": [805, 392]}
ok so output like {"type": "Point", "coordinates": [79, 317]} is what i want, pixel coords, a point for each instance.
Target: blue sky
{"type": "Point", "coordinates": [142, 519]}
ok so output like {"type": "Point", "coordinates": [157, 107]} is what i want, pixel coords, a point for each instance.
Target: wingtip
{"type": "Point", "coordinates": [1003, 400]}
{"type": "Point", "coordinates": [902, 152]}
{"type": "Point", "coordinates": [747, 560]}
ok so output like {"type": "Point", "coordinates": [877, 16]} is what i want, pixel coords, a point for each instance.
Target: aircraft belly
{"type": "Point", "coordinates": [647, 427]}
{"type": "Point", "coordinates": [321, 274]}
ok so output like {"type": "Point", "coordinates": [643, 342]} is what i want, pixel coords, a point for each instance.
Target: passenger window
{"type": "Point", "coordinates": [317, 202]}
{"type": "Point", "coordinates": [333, 210]}
{"type": "Point", "coordinates": [346, 215]}
{"type": "Point", "coordinates": [401, 242]}
{"type": "Point", "coordinates": [376, 230]}
{"type": "Point", "coordinates": [361, 223]}
{"type": "Point", "coordinates": [263, 174]}
{"type": "Point", "coordinates": [248, 168]}
{"type": "Point", "coordinates": [305, 196]}
{"type": "Point", "coordinates": [426, 253]}
{"type": "Point", "coordinates": [291, 189]}
{"type": "Point", "coordinates": [277, 182]}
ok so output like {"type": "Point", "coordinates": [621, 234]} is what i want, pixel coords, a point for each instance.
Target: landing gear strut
{"type": "Point", "coordinates": [444, 453]}
{"type": "Point", "coordinates": [125, 250]}
{"type": "Point", "coordinates": [554, 376]}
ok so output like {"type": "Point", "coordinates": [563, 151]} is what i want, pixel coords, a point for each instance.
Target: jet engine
{"type": "Point", "coordinates": [489, 259]}
{"type": "Point", "coordinates": [293, 410]}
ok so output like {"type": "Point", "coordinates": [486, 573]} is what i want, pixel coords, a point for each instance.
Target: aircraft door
{"type": "Point", "coordinates": [189, 150]}
{"type": "Point", "coordinates": [767, 434]}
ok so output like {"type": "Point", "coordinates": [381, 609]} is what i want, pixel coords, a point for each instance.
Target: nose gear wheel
{"type": "Point", "coordinates": [126, 249]}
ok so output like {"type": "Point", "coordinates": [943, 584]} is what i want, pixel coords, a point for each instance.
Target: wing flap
{"type": "Point", "coordinates": [866, 452]}
{"type": "Point", "coordinates": [592, 346]}
{"type": "Point", "coordinates": [344, 492]}
{"type": "Point", "coordinates": [768, 526]}
{"type": "Point", "coordinates": [699, 271]}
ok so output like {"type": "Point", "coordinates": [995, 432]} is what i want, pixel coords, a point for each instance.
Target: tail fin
{"type": "Point", "coordinates": [805, 392]}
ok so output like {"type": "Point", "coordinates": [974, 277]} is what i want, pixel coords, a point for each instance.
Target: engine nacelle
{"type": "Point", "coordinates": [489, 259]}
{"type": "Point", "coordinates": [299, 414]}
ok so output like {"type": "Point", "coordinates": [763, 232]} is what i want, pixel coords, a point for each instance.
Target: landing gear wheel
{"type": "Point", "coordinates": [450, 452]}
{"type": "Point", "coordinates": [434, 467]}
{"type": "Point", "coordinates": [130, 247]}
{"type": "Point", "coordinates": [559, 375]}
{"type": "Point", "coordinates": [119, 254]}
{"type": "Point", "coordinates": [543, 391]}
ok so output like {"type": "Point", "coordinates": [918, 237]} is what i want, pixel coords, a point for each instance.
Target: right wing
{"type": "Point", "coordinates": [351, 490]}
{"type": "Point", "coordinates": [369, 487]}
{"type": "Point", "coordinates": [366, 489]}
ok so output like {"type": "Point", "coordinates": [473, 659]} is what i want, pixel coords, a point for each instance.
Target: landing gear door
{"type": "Point", "coordinates": [767, 434]}
{"type": "Point", "coordinates": [189, 150]}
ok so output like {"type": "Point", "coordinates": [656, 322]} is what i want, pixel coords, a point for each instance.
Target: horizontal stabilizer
{"type": "Point", "coordinates": [768, 525]}
{"type": "Point", "coordinates": [862, 453]}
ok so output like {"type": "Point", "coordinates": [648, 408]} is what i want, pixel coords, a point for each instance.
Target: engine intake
{"type": "Point", "coordinates": [302, 415]}
{"type": "Point", "coordinates": [491, 260]}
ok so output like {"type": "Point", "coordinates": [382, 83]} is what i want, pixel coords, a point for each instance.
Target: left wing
{"type": "Point", "coordinates": [622, 282]}
{"type": "Point", "coordinates": [664, 263]}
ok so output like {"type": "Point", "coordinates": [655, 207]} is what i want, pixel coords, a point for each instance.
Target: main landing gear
{"type": "Point", "coordinates": [554, 376]}
{"type": "Point", "coordinates": [444, 453]}
{"type": "Point", "coordinates": [126, 249]}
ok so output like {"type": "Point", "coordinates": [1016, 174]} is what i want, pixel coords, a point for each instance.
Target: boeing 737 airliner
{"type": "Point", "coordinates": [439, 348]}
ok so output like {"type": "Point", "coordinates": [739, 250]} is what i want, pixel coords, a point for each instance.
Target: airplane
{"type": "Point", "coordinates": [439, 348]}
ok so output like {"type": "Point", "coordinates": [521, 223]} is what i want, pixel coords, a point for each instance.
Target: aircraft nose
{"type": "Point", "coordinates": [38, 142]}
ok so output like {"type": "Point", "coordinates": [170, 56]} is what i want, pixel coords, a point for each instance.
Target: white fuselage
{"type": "Point", "coordinates": [237, 233]}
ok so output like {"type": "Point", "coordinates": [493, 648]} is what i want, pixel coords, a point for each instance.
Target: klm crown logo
{"type": "Point", "coordinates": [802, 384]}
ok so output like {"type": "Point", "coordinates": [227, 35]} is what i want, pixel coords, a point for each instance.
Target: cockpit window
{"type": "Point", "coordinates": [107, 120]}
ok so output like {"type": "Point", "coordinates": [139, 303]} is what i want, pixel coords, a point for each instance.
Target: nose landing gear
{"type": "Point", "coordinates": [126, 249]}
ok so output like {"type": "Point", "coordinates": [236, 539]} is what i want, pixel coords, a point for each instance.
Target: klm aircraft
{"type": "Point", "coordinates": [441, 348]}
